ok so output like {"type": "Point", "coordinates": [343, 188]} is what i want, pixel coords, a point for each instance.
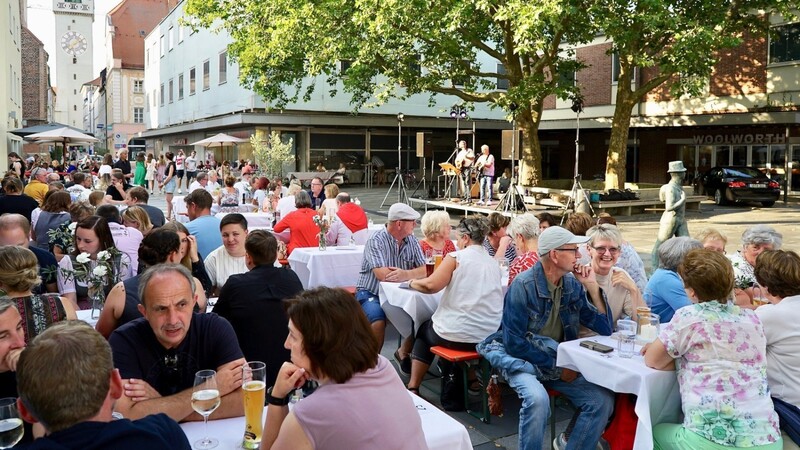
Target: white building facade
{"type": "Point", "coordinates": [11, 87]}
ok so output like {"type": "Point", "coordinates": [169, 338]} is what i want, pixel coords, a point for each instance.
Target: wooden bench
{"type": "Point", "coordinates": [462, 358]}
{"type": "Point", "coordinates": [629, 207]}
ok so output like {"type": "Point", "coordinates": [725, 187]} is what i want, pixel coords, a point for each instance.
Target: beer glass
{"type": "Point", "coordinates": [254, 387]}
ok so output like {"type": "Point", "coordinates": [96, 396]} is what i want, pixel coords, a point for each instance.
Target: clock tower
{"type": "Point", "coordinates": [73, 57]}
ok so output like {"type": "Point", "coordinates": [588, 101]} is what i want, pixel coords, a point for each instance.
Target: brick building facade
{"type": "Point", "coordinates": [35, 80]}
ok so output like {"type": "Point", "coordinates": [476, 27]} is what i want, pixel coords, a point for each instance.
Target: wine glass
{"type": "Point", "coordinates": [11, 429]}
{"type": "Point", "coordinates": [205, 400]}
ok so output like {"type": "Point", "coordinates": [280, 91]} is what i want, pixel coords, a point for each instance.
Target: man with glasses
{"type": "Point", "coordinates": [316, 193]}
{"type": "Point", "coordinates": [37, 187]}
{"type": "Point", "coordinates": [391, 254]}
{"type": "Point", "coordinates": [544, 306]}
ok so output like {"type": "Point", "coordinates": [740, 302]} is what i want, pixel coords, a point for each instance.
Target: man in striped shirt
{"type": "Point", "coordinates": [392, 254]}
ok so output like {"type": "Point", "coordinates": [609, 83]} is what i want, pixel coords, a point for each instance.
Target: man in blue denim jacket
{"type": "Point", "coordinates": [546, 305]}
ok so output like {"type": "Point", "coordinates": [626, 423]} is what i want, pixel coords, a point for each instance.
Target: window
{"type": "Point", "coordinates": [464, 79]}
{"type": "Point", "coordinates": [180, 34]}
{"type": "Point", "coordinates": [171, 86]}
{"type": "Point", "coordinates": [344, 66]}
{"type": "Point", "coordinates": [566, 78]}
{"type": "Point", "coordinates": [138, 115]}
{"type": "Point", "coordinates": [180, 87]}
{"type": "Point", "coordinates": [163, 45]}
{"type": "Point", "coordinates": [206, 75]}
{"type": "Point", "coordinates": [154, 98]}
{"type": "Point", "coordinates": [615, 67]}
{"type": "Point", "coordinates": [192, 80]}
{"type": "Point", "coordinates": [161, 95]}
{"type": "Point", "coordinates": [138, 86]}
{"type": "Point", "coordinates": [223, 67]}
{"type": "Point", "coordinates": [502, 83]}
{"type": "Point", "coordinates": [170, 36]}
{"type": "Point", "coordinates": [784, 43]}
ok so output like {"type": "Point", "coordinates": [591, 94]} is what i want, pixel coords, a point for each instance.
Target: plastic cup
{"type": "Point", "coordinates": [626, 331]}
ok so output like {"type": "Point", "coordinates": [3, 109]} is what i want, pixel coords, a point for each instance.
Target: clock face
{"type": "Point", "coordinates": [74, 43]}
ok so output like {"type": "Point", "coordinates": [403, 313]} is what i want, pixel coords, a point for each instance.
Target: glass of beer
{"type": "Point", "coordinates": [437, 259]}
{"type": "Point", "coordinates": [758, 296]}
{"type": "Point", "coordinates": [254, 387]}
{"type": "Point", "coordinates": [430, 266]}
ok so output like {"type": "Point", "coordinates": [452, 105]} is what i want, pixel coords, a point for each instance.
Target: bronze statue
{"type": "Point", "coordinates": [673, 221]}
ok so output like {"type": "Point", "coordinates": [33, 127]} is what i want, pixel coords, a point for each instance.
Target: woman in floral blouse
{"type": "Point", "coordinates": [719, 351]}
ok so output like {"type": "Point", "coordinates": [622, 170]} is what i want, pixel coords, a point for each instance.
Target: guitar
{"type": "Point", "coordinates": [464, 160]}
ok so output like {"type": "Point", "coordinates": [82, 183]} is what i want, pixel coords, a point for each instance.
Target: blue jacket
{"type": "Point", "coordinates": [526, 309]}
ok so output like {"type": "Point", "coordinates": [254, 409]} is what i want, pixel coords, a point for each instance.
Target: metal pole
{"type": "Point", "coordinates": [399, 160]}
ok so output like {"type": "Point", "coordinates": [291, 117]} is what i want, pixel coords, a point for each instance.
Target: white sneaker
{"type": "Point", "coordinates": [180, 191]}
{"type": "Point", "coordinates": [479, 203]}
{"type": "Point", "coordinates": [489, 203]}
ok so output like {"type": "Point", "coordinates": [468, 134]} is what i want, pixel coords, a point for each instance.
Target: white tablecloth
{"type": "Point", "coordinates": [255, 220]}
{"type": "Point", "coordinates": [407, 309]}
{"type": "Point", "coordinates": [659, 398]}
{"type": "Point", "coordinates": [442, 432]}
{"type": "Point", "coordinates": [86, 316]}
{"type": "Point", "coordinates": [334, 267]}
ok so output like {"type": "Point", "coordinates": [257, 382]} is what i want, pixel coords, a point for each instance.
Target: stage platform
{"type": "Point", "coordinates": [474, 208]}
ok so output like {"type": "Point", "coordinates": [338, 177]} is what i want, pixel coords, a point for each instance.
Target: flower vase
{"type": "Point", "coordinates": [97, 300]}
{"type": "Point", "coordinates": [323, 245]}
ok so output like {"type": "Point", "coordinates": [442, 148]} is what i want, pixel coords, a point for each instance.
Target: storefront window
{"type": "Point", "coordinates": [760, 157]}
{"type": "Point", "coordinates": [739, 155]}
{"type": "Point", "coordinates": [722, 155]}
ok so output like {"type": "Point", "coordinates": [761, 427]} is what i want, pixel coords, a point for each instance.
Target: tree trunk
{"type": "Point", "coordinates": [530, 171]}
{"type": "Point", "coordinates": [620, 128]}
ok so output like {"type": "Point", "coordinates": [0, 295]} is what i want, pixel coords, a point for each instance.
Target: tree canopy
{"type": "Point", "coordinates": [399, 48]}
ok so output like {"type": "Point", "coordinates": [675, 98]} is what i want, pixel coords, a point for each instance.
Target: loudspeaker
{"type": "Point", "coordinates": [505, 152]}
{"type": "Point", "coordinates": [424, 147]}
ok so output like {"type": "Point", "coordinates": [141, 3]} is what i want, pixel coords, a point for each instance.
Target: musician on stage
{"type": "Point", "coordinates": [485, 168]}
{"type": "Point", "coordinates": [464, 161]}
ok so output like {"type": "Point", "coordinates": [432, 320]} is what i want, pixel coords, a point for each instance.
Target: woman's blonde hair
{"type": "Point", "coordinates": [331, 190]}
{"type": "Point", "coordinates": [20, 268]}
{"type": "Point", "coordinates": [433, 221]}
{"type": "Point", "coordinates": [139, 215]}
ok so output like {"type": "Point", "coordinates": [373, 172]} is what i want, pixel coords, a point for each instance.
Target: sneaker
{"type": "Point", "coordinates": [404, 364]}
{"type": "Point", "coordinates": [479, 203]}
{"type": "Point", "coordinates": [560, 442]}
{"type": "Point", "coordinates": [489, 203]}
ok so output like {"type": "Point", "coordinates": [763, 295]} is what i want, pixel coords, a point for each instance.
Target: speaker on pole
{"type": "Point", "coordinates": [507, 135]}
{"type": "Point", "coordinates": [424, 148]}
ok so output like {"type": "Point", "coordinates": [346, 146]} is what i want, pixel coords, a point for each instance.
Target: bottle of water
{"type": "Point", "coordinates": [352, 241]}
{"type": "Point", "coordinates": [370, 223]}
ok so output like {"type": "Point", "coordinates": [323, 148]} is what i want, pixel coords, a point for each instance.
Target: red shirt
{"type": "Point", "coordinates": [521, 263]}
{"type": "Point", "coordinates": [303, 230]}
{"type": "Point", "coordinates": [448, 247]}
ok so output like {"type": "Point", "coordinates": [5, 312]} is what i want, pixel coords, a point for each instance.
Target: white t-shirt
{"type": "Point", "coordinates": [191, 164]}
{"type": "Point", "coordinates": [220, 265]}
{"type": "Point", "coordinates": [244, 191]}
{"type": "Point", "coordinates": [472, 305]}
{"type": "Point", "coordinates": [195, 186]}
{"type": "Point", "coordinates": [783, 348]}
{"type": "Point", "coordinates": [179, 162]}
{"type": "Point", "coordinates": [286, 205]}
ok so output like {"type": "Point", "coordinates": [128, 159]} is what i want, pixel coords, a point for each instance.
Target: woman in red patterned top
{"type": "Point", "coordinates": [524, 229]}
{"type": "Point", "coordinates": [436, 228]}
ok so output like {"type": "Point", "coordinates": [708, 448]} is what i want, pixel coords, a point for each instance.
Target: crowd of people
{"type": "Point", "coordinates": [727, 319]}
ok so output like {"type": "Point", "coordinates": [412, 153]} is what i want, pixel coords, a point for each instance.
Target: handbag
{"type": "Point", "coordinates": [452, 393]}
{"type": "Point", "coordinates": [621, 432]}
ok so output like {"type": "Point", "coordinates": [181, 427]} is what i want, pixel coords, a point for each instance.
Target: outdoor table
{"type": "Point", "coordinates": [308, 176]}
{"type": "Point", "coordinates": [86, 316]}
{"type": "Point", "coordinates": [334, 267]}
{"type": "Point", "coordinates": [255, 220]}
{"type": "Point", "coordinates": [658, 395]}
{"type": "Point", "coordinates": [407, 309]}
{"type": "Point", "coordinates": [442, 432]}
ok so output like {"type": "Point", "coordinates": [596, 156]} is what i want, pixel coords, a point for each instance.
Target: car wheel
{"type": "Point", "coordinates": [768, 204]}
{"type": "Point", "coordinates": [719, 197]}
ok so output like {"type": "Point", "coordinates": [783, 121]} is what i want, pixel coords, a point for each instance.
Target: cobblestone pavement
{"type": "Point", "coordinates": [640, 230]}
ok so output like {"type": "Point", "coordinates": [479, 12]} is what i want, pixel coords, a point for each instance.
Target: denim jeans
{"type": "Point", "coordinates": [486, 189]}
{"type": "Point", "coordinates": [595, 403]}
{"type": "Point", "coordinates": [371, 305]}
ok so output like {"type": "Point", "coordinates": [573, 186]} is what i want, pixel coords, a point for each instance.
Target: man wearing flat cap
{"type": "Point", "coordinates": [546, 305]}
{"type": "Point", "coordinates": [391, 254]}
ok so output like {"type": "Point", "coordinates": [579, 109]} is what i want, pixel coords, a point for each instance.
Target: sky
{"type": "Point", "coordinates": [42, 23]}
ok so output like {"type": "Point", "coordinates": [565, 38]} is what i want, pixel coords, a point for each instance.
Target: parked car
{"type": "Point", "coordinates": [730, 184]}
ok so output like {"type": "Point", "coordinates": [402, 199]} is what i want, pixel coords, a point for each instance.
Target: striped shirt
{"type": "Point", "coordinates": [382, 250]}
{"type": "Point", "coordinates": [511, 251]}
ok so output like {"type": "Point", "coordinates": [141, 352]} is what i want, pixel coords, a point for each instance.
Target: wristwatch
{"type": "Point", "coordinates": [276, 400]}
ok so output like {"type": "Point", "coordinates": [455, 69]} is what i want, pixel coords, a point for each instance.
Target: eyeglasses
{"type": "Point", "coordinates": [602, 250]}
{"type": "Point", "coordinates": [573, 250]}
